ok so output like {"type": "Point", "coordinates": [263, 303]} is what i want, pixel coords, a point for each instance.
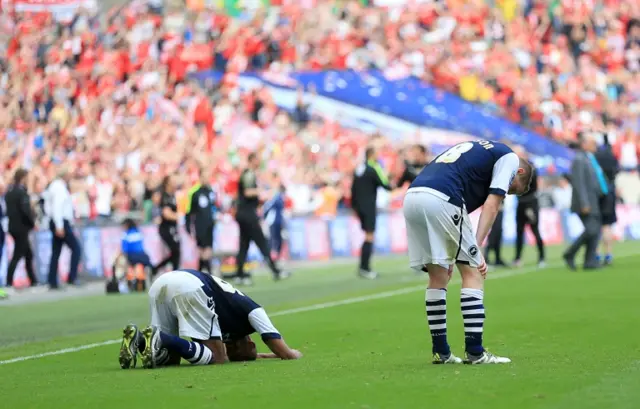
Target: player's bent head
{"type": "Point", "coordinates": [522, 180]}
{"type": "Point", "coordinates": [241, 350]}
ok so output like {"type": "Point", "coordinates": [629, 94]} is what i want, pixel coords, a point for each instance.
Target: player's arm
{"type": "Point", "coordinates": [489, 213]}
{"type": "Point", "coordinates": [381, 178]}
{"type": "Point", "coordinates": [219, 352]}
{"type": "Point", "coordinates": [169, 214]}
{"type": "Point", "coordinates": [504, 171]}
{"type": "Point", "coordinates": [190, 216]}
{"type": "Point", "coordinates": [405, 178]}
{"type": "Point", "coordinates": [215, 344]}
{"type": "Point", "coordinates": [270, 336]}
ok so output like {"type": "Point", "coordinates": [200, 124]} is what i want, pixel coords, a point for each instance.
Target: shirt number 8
{"type": "Point", "coordinates": [454, 153]}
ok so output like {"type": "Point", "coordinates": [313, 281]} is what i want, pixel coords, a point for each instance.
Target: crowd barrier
{"type": "Point", "coordinates": [308, 238]}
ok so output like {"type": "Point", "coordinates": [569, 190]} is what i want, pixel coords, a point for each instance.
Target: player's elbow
{"type": "Point", "coordinates": [493, 203]}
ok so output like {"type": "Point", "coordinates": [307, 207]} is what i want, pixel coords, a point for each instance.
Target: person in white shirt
{"type": "Point", "coordinates": [59, 209]}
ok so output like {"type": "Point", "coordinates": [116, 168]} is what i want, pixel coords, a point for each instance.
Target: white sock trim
{"type": "Point", "coordinates": [472, 293]}
{"type": "Point", "coordinates": [435, 294]}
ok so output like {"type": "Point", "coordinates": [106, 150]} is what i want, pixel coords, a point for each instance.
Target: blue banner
{"type": "Point", "coordinates": [382, 235]}
{"type": "Point", "coordinates": [297, 239]}
{"type": "Point", "coordinates": [339, 239]}
{"type": "Point", "coordinates": [92, 257]}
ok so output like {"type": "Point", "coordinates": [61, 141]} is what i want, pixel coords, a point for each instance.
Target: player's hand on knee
{"type": "Point", "coordinates": [482, 268]}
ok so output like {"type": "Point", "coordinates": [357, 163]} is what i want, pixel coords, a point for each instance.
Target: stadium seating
{"type": "Point", "coordinates": [109, 92]}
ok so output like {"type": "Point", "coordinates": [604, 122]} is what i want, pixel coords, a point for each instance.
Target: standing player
{"type": "Point", "coordinates": [436, 210]}
{"type": "Point", "coordinates": [249, 223]}
{"type": "Point", "coordinates": [417, 159]}
{"type": "Point", "coordinates": [273, 210]}
{"type": "Point", "coordinates": [528, 213]}
{"type": "Point", "coordinates": [209, 311]}
{"type": "Point", "coordinates": [168, 228]}
{"type": "Point", "coordinates": [368, 177]}
{"type": "Point", "coordinates": [609, 164]}
{"type": "Point", "coordinates": [201, 217]}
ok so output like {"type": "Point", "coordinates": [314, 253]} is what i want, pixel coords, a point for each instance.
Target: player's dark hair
{"type": "Point", "coordinates": [421, 149]}
{"type": "Point", "coordinates": [129, 223]}
{"type": "Point", "coordinates": [19, 176]}
{"type": "Point", "coordinates": [369, 152]}
{"type": "Point", "coordinates": [251, 157]}
{"type": "Point", "coordinates": [165, 183]}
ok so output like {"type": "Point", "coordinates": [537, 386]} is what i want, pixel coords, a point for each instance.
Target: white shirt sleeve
{"type": "Point", "coordinates": [57, 195]}
{"type": "Point", "coordinates": [504, 171]}
{"type": "Point", "coordinates": [260, 321]}
{"type": "Point", "coordinates": [216, 332]}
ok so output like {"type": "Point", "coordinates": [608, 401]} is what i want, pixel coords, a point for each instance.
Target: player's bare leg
{"type": "Point", "coordinates": [607, 244]}
{"type": "Point", "coordinates": [473, 316]}
{"type": "Point", "coordinates": [436, 302]}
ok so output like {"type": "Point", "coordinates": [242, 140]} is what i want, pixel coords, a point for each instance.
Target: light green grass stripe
{"type": "Point", "coordinates": [314, 307]}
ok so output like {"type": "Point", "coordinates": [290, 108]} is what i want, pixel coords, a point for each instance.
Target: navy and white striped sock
{"type": "Point", "coordinates": [436, 301]}
{"type": "Point", "coordinates": [202, 355]}
{"type": "Point", "coordinates": [194, 352]}
{"type": "Point", "coordinates": [471, 303]}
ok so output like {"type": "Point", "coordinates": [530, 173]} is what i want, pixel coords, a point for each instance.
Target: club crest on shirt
{"type": "Point", "coordinates": [203, 202]}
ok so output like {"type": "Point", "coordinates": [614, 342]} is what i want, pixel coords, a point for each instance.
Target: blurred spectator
{"type": "Point", "coordinates": [21, 222]}
{"type": "Point", "coordinates": [59, 207]}
{"type": "Point", "coordinates": [588, 187]}
{"type": "Point", "coordinates": [109, 92]}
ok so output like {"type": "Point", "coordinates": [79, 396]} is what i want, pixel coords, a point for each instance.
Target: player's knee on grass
{"type": "Point", "coordinates": [471, 277]}
{"type": "Point", "coordinates": [438, 276]}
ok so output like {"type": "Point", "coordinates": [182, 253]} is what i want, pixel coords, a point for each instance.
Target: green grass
{"type": "Point", "coordinates": [571, 335]}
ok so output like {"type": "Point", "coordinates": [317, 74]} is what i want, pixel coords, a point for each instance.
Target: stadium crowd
{"type": "Point", "coordinates": [108, 95]}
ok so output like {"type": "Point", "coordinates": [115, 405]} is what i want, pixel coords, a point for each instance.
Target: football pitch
{"type": "Point", "coordinates": [573, 337]}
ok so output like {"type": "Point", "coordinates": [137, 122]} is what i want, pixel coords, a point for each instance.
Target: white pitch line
{"type": "Point", "coordinates": [60, 352]}
{"type": "Point", "coordinates": [314, 307]}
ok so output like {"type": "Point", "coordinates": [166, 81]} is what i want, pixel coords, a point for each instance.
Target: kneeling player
{"type": "Point", "coordinates": [209, 311]}
{"type": "Point", "coordinates": [439, 232]}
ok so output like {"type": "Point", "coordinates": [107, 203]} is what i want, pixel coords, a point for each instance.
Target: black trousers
{"type": "Point", "coordinates": [495, 240]}
{"type": "Point", "coordinates": [169, 235]}
{"type": "Point", "coordinates": [22, 248]}
{"type": "Point", "coordinates": [589, 239]}
{"type": "Point", "coordinates": [528, 215]}
{"type": "Point", "coordinates": [71, 241]}
{"type": "Point", "coordinates": [250, 230]}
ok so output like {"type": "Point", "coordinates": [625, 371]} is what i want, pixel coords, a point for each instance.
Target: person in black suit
{"type": "Point", "coordinates": [168, 228]}
{"type": "Point", "coordinates": [494, 243]}
{"type": "Point", "coordinates": [21, 222]}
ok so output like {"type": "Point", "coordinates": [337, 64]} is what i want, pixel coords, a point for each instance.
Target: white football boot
{"type": "Point", "coordinates": [486, 358]}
